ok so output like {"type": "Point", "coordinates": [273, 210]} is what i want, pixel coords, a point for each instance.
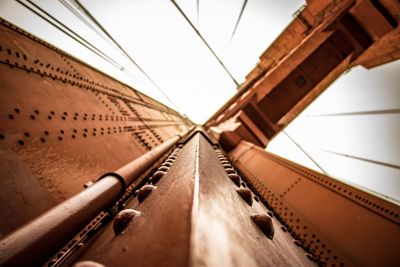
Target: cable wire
{"type": "Point", "coordinates": [238, 20]}
{"type": "Point", "coordinates": [198, 13]}
{"type": "Point", "coordinates": [98, 24]}
{"type": "Point", "coordinates": [297, 144]}
{"type": "Point", "coordinates": [82, 41]}
{"type": "Point", "coordinates": [204, 41]}
{"type": "Point", "coordinates": [77, 38]}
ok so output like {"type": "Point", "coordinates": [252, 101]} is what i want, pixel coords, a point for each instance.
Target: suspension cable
{"type": "Point", "coordinates": [77, 38]}
{"type": "Point", "coordinates": [302, 149]}
{"type": "Point", "coordinates": [198, 13]}
{"type": "Point", "coordinates": [82, 41]}
{"type": "Point", "coordinates": [238, 20]}
{"type": "Point", "coordinates": [98, 24]}
{"type": "Point", "coordinates": [204, 41]}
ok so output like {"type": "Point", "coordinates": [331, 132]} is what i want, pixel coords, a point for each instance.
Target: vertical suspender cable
{"type": "Point", "coordinates": [198, 13]}
{"type": "Point", "coordinates": [123, 50]}
{"type": "Point", "coordinates": [204, 41]}
{"type": "Point", "coordinates": [291, 139]}
{"type": "Point", "coordinates": [238, 20]}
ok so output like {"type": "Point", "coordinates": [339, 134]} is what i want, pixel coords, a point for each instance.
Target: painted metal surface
{"type": "Point", "coordinates": [324, 40]}
{"type": "Point", "coordinates": [195, 217]}
{"type": "Point", "coordinates": [35, 242]}
{"type": "Point", "coordinates": [64, 124]}
{"type": "Point", "coordinates": [340, 224]}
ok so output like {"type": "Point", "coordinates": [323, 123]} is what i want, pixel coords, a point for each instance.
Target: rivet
{"type": "Point", "coordinates": [51, 262]}
{"type": "Point", "coordinates": [310, 257]}
{"type": "Point", "coordinates": [157, 176]}
{"type": "Point", "coordinates": [172, 157]}
{"type": "Point", "coordinates": [167, 164]}
{"type": "Point", "coordinates": [245, 193]}
{"type": "Point", "coordinates": [169, 161]}
{"type": "Point", "coordinates": [224, 161]}
{"type": "Point", "coordinates": [264, 222]}
{"type": "Point", "coordinates": [235, 178]}
{"type": "Point", "coordinates": [243, 184]}
{"type": "Point", "coordinates": [225, 165]}
{"type": "Point", "coordinates": [144, 192]}
{"type": "Point", "coordinates": [256, 198]}
{"type": "Point", "coordinates": [123, 218]}
{"type": "Point", "coordinates": [163, 168]}
{"type": "Point", "coordinates": [88, 264]}
{"type": "Point", "coordinates": [230, 170]}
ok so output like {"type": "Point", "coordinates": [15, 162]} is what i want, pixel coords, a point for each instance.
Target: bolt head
{"type": "Point", "coordinates": [246, 194]}
{"type": "Point", "coordinates": [264, 222]}
{"type": "Point", "coordinates": [157, 176]}
{"type": "Point", "coordinates": [235, 178]}
{"type": "Point", "coordinates": [163, 168]}
{"type": "Point", "coordinates": [88, 264]}
{"type": "Point", "coordinates": [230, 170]}
{"type": "Point", "coordinates": [167, 164]}
{"type": "Point", "coordinates": [123, 218]}
{"type": "Point", "coordinates": [144, 192]}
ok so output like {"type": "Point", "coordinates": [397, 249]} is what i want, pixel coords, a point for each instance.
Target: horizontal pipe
{"type": "Point", "coordinates": [37, 241]}
{"type": "Point", "coordinates": [132, 170]}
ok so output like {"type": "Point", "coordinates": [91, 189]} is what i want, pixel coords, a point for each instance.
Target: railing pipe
{"type": "Point", "coordinates": [41, 238]}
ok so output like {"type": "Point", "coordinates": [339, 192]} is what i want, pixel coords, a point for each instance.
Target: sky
{"type": "Point", "coordinates": [160, 40]}
{"type": "Point", "coordinates": [156, 36]}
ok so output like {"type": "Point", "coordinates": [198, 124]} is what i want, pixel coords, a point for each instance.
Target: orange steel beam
{"type": "Point", "coordinates": [63, 124]}
{"type": "Point", "coordinates": [325, 39]}
{"type": "Point", "coordinates": [196, 215]}
{"type": "Point", "coordinates": [338, 223]}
